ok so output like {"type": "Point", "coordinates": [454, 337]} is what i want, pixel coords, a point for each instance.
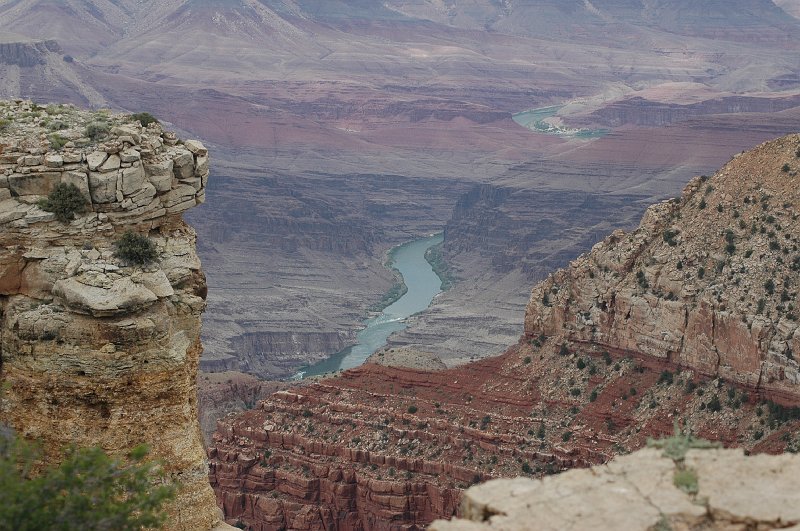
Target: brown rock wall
{"type": "Point", "coordinates": [94, 350]}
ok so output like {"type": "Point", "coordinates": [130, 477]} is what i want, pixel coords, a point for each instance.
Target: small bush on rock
{"type": "Point", "coordinates": [135, 249]}
{"type": "Point", "coordinates": [57, 141]}
{"type": "Point", "coordinates": [64, 201]}
{"type": "Point", "coordinates": [97, 130]}
{"type": "Point", "coordinates": [144, 118]}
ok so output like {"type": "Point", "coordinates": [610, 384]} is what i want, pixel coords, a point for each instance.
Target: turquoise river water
{"type": "Point", "coordinates": [423, 285]}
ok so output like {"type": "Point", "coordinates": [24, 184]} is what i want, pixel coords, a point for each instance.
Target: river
{"type": "Point", "coordinates": [423, 285]}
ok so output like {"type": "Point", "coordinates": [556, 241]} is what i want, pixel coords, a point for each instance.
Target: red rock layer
{"type": "Point", "coordinates": [689, 320]}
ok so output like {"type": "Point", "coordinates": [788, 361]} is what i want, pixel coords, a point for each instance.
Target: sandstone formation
{"type": "Point", "coordinates": [388, 447]}
{"type": "Point", "coordinates": [647, 490]}
{"type": "Point", "coordinates": [708, 281]}
{"type": "Point", "coordinates": [95, 350]}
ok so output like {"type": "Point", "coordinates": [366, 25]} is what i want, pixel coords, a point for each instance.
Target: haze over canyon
{"type": "Point", "coordinates": [534, 135]}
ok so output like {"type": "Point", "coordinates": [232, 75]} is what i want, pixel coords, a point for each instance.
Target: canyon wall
{"type": "Point", "coordinates": [628, 340]}
{"type": "Point", "coordinates": [96, 350]}
{"type": "Point", "coordinates": [708, 280]}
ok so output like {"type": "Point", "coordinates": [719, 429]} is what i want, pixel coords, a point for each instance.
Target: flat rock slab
{"type": "Point", "coordinates": [122, 297]}
{"type": "Point", "coordinates": [637, 492]}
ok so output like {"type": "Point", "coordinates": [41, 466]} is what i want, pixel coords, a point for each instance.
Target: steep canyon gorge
{"type": "Point", "coordinates": [689, 319]}
{"type": "Point", "coordinates": [343, 128]}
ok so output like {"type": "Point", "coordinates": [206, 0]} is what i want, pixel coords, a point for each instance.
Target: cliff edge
{"type": "Point", "coordinates": [95, 350]}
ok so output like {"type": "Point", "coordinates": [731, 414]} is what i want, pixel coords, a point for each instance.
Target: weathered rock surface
{"type": "Point", "coordinates": [638, 492]}
{"type": "Point", "coordinates": [94, 350]}
{"type": "Point", "coordinates": [708, 281]}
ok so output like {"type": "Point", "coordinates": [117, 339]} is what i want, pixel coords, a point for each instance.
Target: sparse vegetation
{"type": "Point", "coordinates": [135, 249]}
{"type": "Point", "coordinates": [88, 490]}
{"type": "Point", "coordinates": [57, 141]}
{"type": "Point", "coordinates": [64, 201]}
{"type": "Point", "coordinates": [144, 118]}
{"type": "Point", "coordinates": [97, 130]}
{"type": "Point", "coordinates": [686, 480]}
{"type": "Point", "coordinates": [445, 273]}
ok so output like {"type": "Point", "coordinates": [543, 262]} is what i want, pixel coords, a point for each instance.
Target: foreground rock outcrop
{"type": "Point", "coordinates": [95, 350]}
{"type": "Point", "coordinates": [618, 347]}
{"type": "Point", "coordinates": [647, 490]}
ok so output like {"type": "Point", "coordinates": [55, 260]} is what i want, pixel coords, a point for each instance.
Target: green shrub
{"type": "Point", "coordinates": [526, 468]}
{"type": "Point", "coordinates": [769, 285]}
{"type": "Point", "coordinates": [88, 490]}
{"type": "Point", "coordinates": [135, 249]}
{"type": "Point", "coordinates": [412, 409]}
{"type": "Point", "coordinates": [97, 130]}
{"type": "Point", "coordinates": [64, 201]}
{"type": "Point", "coordinates": [714, 404]}
{"type": "Point", "coordinates": [4, 124]}
{"type": "Point", "coordinates": [57, 141]}
{"type": "Point", "coordinates": [786, 168]}
{"type": "Point", "coordinates": [666, 377]}
{"type": "Point", "coordinates": [144, 118]}
{"type": "Point", "coordinates": [57, 125]}
{"type": "Point", "coordinates": [686, 480]}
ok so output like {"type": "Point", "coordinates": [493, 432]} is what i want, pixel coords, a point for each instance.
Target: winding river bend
{"type": "Point", "coordinates": [423, 285]}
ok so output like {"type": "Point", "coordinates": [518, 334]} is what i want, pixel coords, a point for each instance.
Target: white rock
{"type": "Point", "coordinates": [112, 163]}
{"type": "Point", "coordinates": [96, 159]}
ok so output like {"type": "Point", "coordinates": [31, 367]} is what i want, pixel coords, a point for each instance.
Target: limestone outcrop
{"type": "Point", "coordinates": [647, 490]}
{"type": "Point", "coordinates": [708, 281]}
{"type": "Point", "coordinates": [96, 350]}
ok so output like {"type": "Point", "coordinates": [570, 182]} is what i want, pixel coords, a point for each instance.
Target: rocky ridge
{"type": "Point", "coordinates": [96, 350]}
{"type": "Point", "coordinates": [389, 447]}
{"type": "Point", "coordinates": [708, 281]}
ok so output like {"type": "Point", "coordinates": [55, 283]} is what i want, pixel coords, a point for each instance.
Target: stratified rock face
{"type": "Point", "coordinates": [610, 358]}
{"type": "Point", "coordinates": [640, 492]}
{"type": "Point", "coordinates": [708, 281]}
{"type": "Point", "coordinates": [96, 351]}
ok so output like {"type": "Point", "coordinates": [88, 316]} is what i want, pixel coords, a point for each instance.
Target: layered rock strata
{"type": "Point", "coordinates": [610, 357]}
{"type": "Point", "coordinates": [95, 350]}
{"type": "Point", "coordinates": [708, 281]}
{"type": "Point", "coordinates": [705, 489]}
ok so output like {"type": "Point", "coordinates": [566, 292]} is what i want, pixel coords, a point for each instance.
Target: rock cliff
{"type": "Point", "coordinates": [708, 281]}
{"type": "Point", "coordinates": [95, 350]}
{"type": "Point", "coordinates": [691, 317]}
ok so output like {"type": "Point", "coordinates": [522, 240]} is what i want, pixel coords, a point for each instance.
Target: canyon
{"type": "Point", "coordinates": [689, 319]}
{"type": "Point", "coordinates": [345, 129]}
{"type": "Point", "coordinates": [96, 349]}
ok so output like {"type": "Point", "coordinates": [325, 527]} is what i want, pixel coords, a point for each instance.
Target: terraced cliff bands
{"type": "Point", "coordinates": [97, 349]}
{"type": "Point", "coordinates": [689, 318]}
